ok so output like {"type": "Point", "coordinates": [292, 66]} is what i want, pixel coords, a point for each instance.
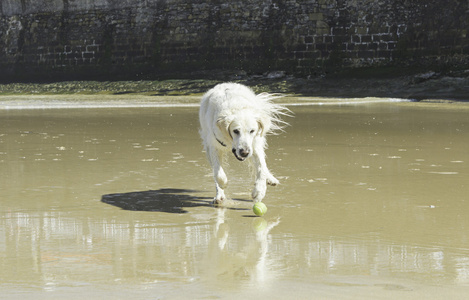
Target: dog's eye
{"type": "Point", "coordinates": [252, 131]}
{"type": "Point", "coordinates": [236, 131]}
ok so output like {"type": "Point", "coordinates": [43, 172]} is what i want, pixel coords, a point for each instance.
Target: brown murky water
{"type": "Point", "coordinates": [114, 203]}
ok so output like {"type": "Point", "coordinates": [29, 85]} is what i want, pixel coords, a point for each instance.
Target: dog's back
{"type": "Point", "coordinates": [227, 96]}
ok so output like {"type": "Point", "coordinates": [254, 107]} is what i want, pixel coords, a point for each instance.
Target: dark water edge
{"type": "Point", "coordinates": [420, 87]}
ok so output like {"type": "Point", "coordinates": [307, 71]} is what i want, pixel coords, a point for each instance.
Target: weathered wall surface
{"type": "Point", "coordinates": [84, 38]}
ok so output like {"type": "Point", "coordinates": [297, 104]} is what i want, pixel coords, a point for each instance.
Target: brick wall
{"type": "Point", "coordinates": [88, 38]}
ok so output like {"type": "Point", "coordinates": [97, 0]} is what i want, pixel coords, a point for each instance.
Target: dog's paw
{"type": "Point", "coordinates": [258, 193]}
{"type": "Point", "coordinates": [219, 198]}
{"type": "Point", "coordinates": [218, 201]}
{"type": "Point", "coordinates": [271, 180]}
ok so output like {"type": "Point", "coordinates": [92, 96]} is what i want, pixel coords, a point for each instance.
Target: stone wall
{"type": "Point", "coordinates": [129, 38]}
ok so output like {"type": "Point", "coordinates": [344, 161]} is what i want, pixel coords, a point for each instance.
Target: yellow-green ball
{"type": "Point", "coordinates": [259, 209]}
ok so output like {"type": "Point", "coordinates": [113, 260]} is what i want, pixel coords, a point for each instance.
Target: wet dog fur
{"type": "Point", "coordinates": [234, 119]}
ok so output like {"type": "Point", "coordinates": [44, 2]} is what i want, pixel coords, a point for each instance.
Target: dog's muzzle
{"type": "Point", "coordinates": [243, 154]}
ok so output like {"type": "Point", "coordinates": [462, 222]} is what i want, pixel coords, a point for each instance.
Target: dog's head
{"type": "Point", "coordinates": [242, 129]}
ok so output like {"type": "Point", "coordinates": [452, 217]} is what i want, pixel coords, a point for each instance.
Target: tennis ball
{"type": "Point", "coordinates": [259, 209]}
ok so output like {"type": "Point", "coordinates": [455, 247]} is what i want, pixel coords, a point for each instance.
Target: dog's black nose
{"type": "Point", "coordinates": [243, 152]}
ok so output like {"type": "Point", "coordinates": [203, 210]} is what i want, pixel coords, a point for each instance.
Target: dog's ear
{"type": "Point", "coordinates": [223, 125]}
{"type": "Point", "coordinates": [264, 125]}
{"type": "Point", "coordinates": [261, 131]}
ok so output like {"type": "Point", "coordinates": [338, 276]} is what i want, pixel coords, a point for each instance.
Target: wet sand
{"type": "Point", "coordinates": [114, 203]}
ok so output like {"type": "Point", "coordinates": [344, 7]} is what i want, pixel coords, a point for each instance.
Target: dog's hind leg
{"type": "Point", "coordinates": [221, 181]}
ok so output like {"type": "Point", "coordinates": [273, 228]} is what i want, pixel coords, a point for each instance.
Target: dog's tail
{"type": "Point", "coordinates": [274, 112]}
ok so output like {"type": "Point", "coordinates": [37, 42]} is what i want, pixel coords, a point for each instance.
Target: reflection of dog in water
{"type": "Point", "coordinates": [241, 256]}
{"type": "Point", "coordinates": [233, 118]}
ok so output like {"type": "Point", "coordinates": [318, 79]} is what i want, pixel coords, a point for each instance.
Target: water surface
{"type": "Point", "coordinates": [114, 203]}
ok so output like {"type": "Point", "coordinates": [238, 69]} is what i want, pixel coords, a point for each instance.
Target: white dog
{"type": "Point", "coordinates": [233, 118]}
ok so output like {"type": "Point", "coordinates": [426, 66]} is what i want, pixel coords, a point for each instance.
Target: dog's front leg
{"type": "Point", "coordinates": [219, 175]}
{"type": "Point", "coordinates": [262, 173]}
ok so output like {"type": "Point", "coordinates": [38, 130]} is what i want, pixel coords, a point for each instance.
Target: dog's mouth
{"type": "Point", "coordinates": [240, 158]}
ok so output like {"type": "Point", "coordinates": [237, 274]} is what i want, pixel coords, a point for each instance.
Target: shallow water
{"type": "Point", "coordinates": [114, 203]}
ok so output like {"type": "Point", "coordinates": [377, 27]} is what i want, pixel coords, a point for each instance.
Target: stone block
{"type": "Point", "coordinates": [361, 30]}
{"type": "Point", "coordinates": [356, 39]}
{"type": "Point", "coordinates": [309, 39]}
{"type": "Point", "coordinates": [391, 45]}
{"type": "Point", "coordinates": [366, 38]}
{"type": "Point", "coordinates": [316, 16]}
{"type": "Point", "coordinates": [367, 54]}
{"type": "Point", "coordinates": [321, 47]}
{"type": "Point", "coordinates": [386, 54]}
{"type": "Point", "coordinates": [87, 55]}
